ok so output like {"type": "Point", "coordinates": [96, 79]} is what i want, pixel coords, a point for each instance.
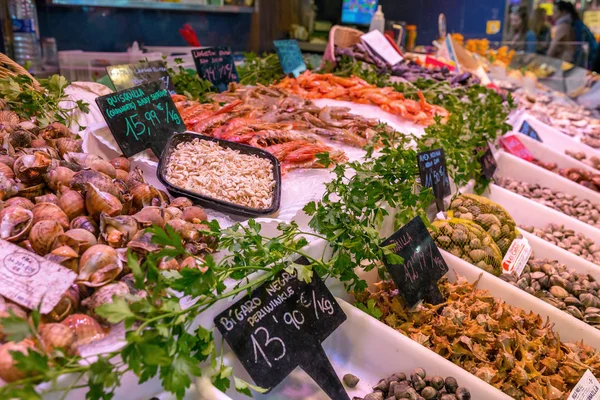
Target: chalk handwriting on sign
{"type": "Point", "coordinates": [141, 117]}
{"type": "Point", "coordinates": [216, 65]}
{"type": "Point", "coordinates": [513, 145]}
{"type": "Point", "coordinates": [416, 278]}
{"type": "Point", "coordinates": [28, 279]}
{"type": "Point", "coordinates": [280, 326]}
{"type": "Point", "coordinates": [433, 172]}
{"type": "Point", "coordinates": [528, 130]}
{"type": "Point", "coordinates": [127, 76]}
{"type": "Point", "coordinates": [290, 57]}
{"type": "Point", "coordinates": [487, 161]}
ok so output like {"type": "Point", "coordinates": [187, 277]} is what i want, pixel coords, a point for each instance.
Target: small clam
{"type": "Point", "coordinates": [30, 169]}
{"type": "Point", "coordinates": [59, 176]}
{"type": "Point", "coordinates": [103, 182]}
{"type": "Point", "coordinates": [15, 223]}
{"type": "Point", "coordinates": [85, 222]}
{"type": "Point", "coordinates": [84, 238]}
{"type": "Point", "coordinates": [85, 328]}
{"type": "Point", "coordinates": [589, 300]}
{"type": "Point", "coordinates": [559, 292]}
{"type": "Point", "coordinates": [98, 202]}
{"type": "Point", "coordinates": [181, 203]}
{"type": "Point", "coordinates": [121, 163]}
{"type": "Point", "coordinates": [56, 336]}
{"type": "Point", "coordinates": [50, 211]}
{"type": "Point", "coordinates": [104, 295]}
{"type": "Point", "coordinates": [194, 214]}
{"type": "Point", "coordinates": [71, 202]}
{"type": "Point", "coordinates": [99, 265]}
{"type": "Point", "coordinates": [574, 311]}
{"type": "Point", "coordinates": [43, 235]}
{"type": "Point", "coordinates": [117, 231]}
{"type": "Point", "coordinates": [65, 256]}
{"type": "Point", "coordinates": [592, 318]}
{"type": "Point", "coordinates": [6, 171]}
{"type": "Point", "coordinates": [8, 370]}
{"type": "Point", "coordinates": [150, 216]}
{"type": "Point", "coordinates": [8, 119]}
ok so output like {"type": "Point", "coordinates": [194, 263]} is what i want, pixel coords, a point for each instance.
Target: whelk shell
{"type": "Point", "coordinates": [121, 163]}
{"type": "Point", "coordinates": [56, 336]}
{"type": "Point", "coordinates": [101, 181]}
{"type": "Point", "coordinates": [104, 295]}
{"type": "Point", "coordinates": [71, 202]}
{"type": "Point", "coordinates": [93, 162]}
{"type": "Point", "coordinates": [50, 211]}
{"type": "Point", "coordinates": [8, 370]}
{"type": "Point", "coordinates": [117, 231]}
{"type": "Point", "coordinates": [85, 222]}
{"type": "Point", "coordinates": [98, 202]}
{"type": "Point", "coordinates": [196, 214]}
{"type": "Point", "coordinates": [85, 328]}
{"type": "Point", "coordinates": [99, 265]}
{"type": "Point", "coordinates": [20, 202]}
{"type": "Point", "coordinates": [85, 238]}
{"type": "Point", "coordinates": [15, 223]}
{"type": "Point", "coordinates": [59, 176]}
{"type": "Point", "coordinates": [43, 235]}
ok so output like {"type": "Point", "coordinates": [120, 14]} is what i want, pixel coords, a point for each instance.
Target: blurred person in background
{"type": "Point", "coordinates": [541, 29]}
{"type": "Point", "coordinates": [520, 37]}
{"type": "Point", "coordinates": [583, 34]}
{"type": "Point", "coordinates": [562, 44]}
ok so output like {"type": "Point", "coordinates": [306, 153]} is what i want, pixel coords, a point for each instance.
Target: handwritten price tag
{"type": "Point", "coordinates": [290, 57]}
{"type": "Point", "coordinates": [416, 277]}
{"type": "Point", "coordinates": [142, 117]}
{"type": "Point", "coordinates": [127, 76]}
{"type": "Point", "coordinates": [433, 172]}
{"type": "Point", "coordinates": [216, 65]}
{"type": "Point", "coordinates": [280, 326]}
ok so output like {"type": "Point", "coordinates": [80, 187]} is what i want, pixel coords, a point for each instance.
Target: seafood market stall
{"type": "Point", "coordinates": [369, 230]}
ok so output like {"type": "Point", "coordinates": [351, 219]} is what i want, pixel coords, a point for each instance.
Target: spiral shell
{"type": "Point", "coordinates": [15, 223]}
{"type": "Point", "coordinates": [93, 162]}
{"type": "Point", "coordinates": [117, 231]}
{"type": "Point", "coordinates": [30, 192]}
{"type": "Point", "coordinates": [43, 236]}
{"type": "Point", "coordinates": [83, 237]}
{"type": "Point", "coordinates": [47, 198]}
{"type": "Point", "coordinates": [8, 119]}
{"type": "Point", "coordinates": [56, 336]}
{"type": "Point", "coordinates": [101, 181]}
{"type": "Point", "coordinates": [59, 176]}
{"type": "Point", "coordinates": [55, 130]}
{"type": "Point", "coordinates": [50, 211]}
{"type": "Point", "coordinates": [121, 163]}
{"type": "Point", "coordinates": [7, 171]}
{"type": "Point", "coordinates": [99, 265]}
{"type": "Point", "coordinates": [85, 328]}
{"type": "Point", "coordinates": [150, 216]}
{"type": "Point", "coordinates": [104, 295]}
{"type": "Point", "coordinates": [143, 195]}
{"type": "Point", "coordinates": [65, 256]}
{"type": "Point", "coordinates": [67, 145]}
{"type": "Point", "coordinates": [85, 222]}
{"type": "Point", "coordinates": [67, 304]}
{"type": "Point", "coordinates": [193, 214]}
{"type": "Point", "coordinates": [31, 168]}
{"type": "Point", "coordinates": [19, 202]}
{"type": "Point", "coordinates": [98, 202]}
{"type": "Point", "coordinates": [8, 370]}
{"type": "Point", "coordinates": [71, 202]}
{"type": "Point", "coordinates": [5, 311]}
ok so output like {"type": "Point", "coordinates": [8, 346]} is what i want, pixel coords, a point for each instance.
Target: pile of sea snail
{"type": "Point", "coordinates": [569, 240]}
{"type": "Point", "coordinates": [82, 212]}
{"type": "Point", "coordinates": [584, 210]}
{"type": "Point", "coordinates": [561, 287]}
{"type": "Point", "coordinates": [416, 386]}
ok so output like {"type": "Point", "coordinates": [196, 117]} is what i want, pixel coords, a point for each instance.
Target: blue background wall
{"type": "Point", "coordinates": [114, 29]}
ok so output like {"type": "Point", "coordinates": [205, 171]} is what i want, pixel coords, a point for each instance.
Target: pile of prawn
{"type": "Point", "coordinates": [281, 123]}
{"type": "Point", "coordinates": [328, 86]}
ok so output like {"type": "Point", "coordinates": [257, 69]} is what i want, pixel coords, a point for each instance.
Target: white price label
{"type": "Point", "coordinates": [516, 257]}
{"type": "Point", "coordinates": [28, 279]}
{"type": "Point", "coordinates": [379, 44]}
{"type": "Point", "coordinates": [587, 388]}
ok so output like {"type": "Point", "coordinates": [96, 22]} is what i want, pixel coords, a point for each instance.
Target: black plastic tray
{"type": "Point", "coordinates": [211, 202]}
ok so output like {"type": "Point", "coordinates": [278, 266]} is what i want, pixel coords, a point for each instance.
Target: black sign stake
{"type": "Point", "coordinates": [141, 118]}
{"type": "Point", "coordinates": [433, 173]}
{"type": "Point", "coordinates": [316, 364]}
{"type": "Point", "coordinates": [487, 161]}
{"type": "Point", "coordinates": [528, 130]}
{"type": "Point", "coordinates": [280, 326]}
{"type": "Point", "coordinates": [216, 65]}
{"type": "Point", "coordinates": [416, 278]}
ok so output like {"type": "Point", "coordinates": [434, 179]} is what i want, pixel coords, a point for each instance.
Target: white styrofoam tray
{"type": "Point", "coordinates": [552, 137]}
{"type": "Point", "coordinates": [510, 166]}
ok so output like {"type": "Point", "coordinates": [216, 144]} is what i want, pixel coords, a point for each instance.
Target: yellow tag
{"type": "Point", "coordinates": [492, 27]}
{"type": "Point", "coordinates": [549, 7]}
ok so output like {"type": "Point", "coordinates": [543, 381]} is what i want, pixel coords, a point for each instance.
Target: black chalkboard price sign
{"type": "Point", "coordinates": [528, 130]}
{"type": "Point", "coordinates": [281, 326]}
{"type": "Point", "coordinates": [290, 57]}
{"type": "Point", "coordinates": [141, 118]}
{"type": "Point", "coordinates": [416, 277]}
{"type": "Point", "coordinates": [216, 65]}
{"type": "Point", "coordinates": [487, 161]}
{"type": "Point", "coordinates": [433, 173]}
{"type": "Point", "coordinates": [126, 76]}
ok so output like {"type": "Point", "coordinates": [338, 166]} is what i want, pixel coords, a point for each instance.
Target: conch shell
{"type": "Point", "coordinates": [99, 265]}
{"type": "Point", "coordinates": [8, 370]}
